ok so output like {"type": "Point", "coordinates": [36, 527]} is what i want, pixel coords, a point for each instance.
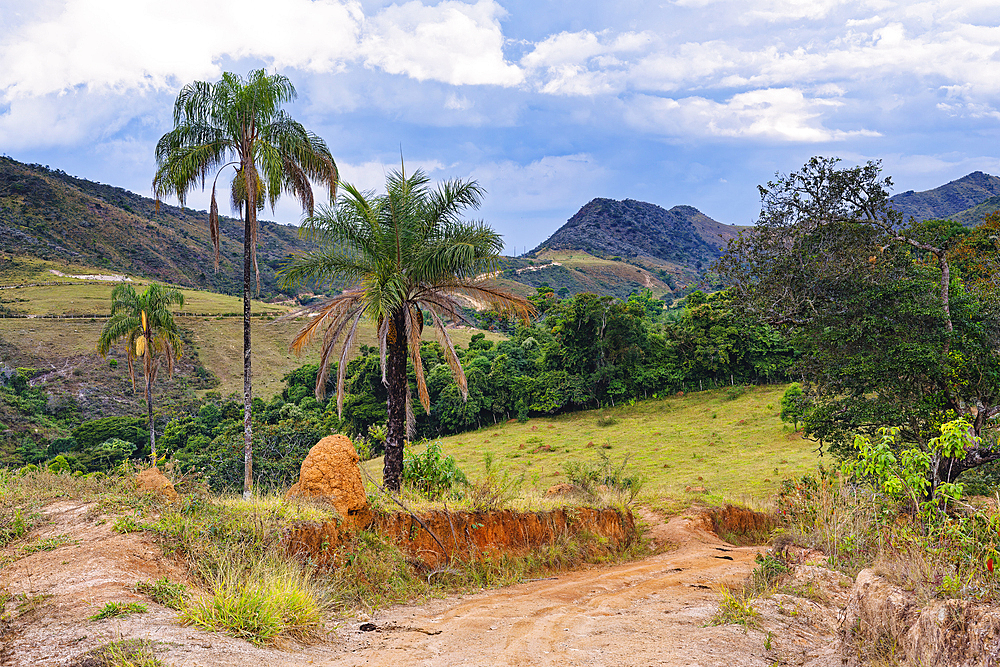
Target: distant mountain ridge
{"type": "Point", "coordinates": [967, 200]}
{"type": "Point", "coordinates": [682, 236]}
{"type": "Point", "coordinates": [52, 215]}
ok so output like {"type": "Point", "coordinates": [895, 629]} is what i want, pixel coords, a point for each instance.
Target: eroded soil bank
{"type": "Point", "coordinates": [435, 537]}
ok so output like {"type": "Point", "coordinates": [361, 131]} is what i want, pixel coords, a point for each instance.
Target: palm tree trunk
{"type": "Point", "coordinates": [147, 367]}
{"type": "Point", "coordinates": [395, 374]}
{"type": "Point", "coordinates": [247, 389]}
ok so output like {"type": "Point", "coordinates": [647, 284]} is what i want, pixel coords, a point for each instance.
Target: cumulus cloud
{"type": "Point", "coordinates": [782, 114]}
{"type": "Point", "coordinates": [121, 45]}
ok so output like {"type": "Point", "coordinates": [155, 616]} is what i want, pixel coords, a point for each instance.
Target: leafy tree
{"type": "Point", "coordinates": [239, 123]}
{"type": "Point", "coordinates": [406, 252]}
{"type": "Point", "coordinates": [145, 323]}
{"type": "Point", "coordinates": [890, 336]}
{"type": "Point", "coordinates": [794, 405]}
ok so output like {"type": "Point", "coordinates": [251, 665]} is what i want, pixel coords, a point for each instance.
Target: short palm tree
{"type": "Point", "coordinates": [239, 123]}
{"type": "Point", "coordinates": [145, 323]}
{"type": "Point", "coordinates": [403, 253]}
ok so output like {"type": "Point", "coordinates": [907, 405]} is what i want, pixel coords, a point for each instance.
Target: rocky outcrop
{"type": "Point", "coordinates": [882, 618]}
{"type": "Point", "coordinates": [330, 472]}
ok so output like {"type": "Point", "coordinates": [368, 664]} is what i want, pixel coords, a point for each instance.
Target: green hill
{"type": "Point", "coordinates": [51, 215]}
{"type": "Point", "coordinates": [956, 200]}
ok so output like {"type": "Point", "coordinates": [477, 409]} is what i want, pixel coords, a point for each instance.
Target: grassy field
{"type": "Point", "coordinates": [219, 342]}
{"type": "Point", "coordinates": [735, 447]}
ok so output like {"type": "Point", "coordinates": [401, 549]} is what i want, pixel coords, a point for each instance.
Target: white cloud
{"type": "Point", "coordinates": [551, 182]}
{"type": "Point", "coordinates": [778, 114]}
{"type": "Point", "coordinates": [122, 45]}
{"type": "Point", "coordinates": [451, 42]}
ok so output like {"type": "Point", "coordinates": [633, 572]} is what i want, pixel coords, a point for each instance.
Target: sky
{"type": "Point", "coordinates": [547, 104]}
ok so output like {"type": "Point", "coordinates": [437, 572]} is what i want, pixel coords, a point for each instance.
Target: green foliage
{"type": "Point", "coordinates": [168, 593]}
{"type": "Point", "coordinates": [495, 490]}
{"type": "Point", "coordinates": [430, 474]}
{"type": "Point", "coordinates": [115, 609]}
{"type": "Point", "coordinates": [794, 405]}
{"type": "Point", "coordinates": [91, 434]}
{"type": "Point", "coordinates": [735, 608]}
{"type": "Point", "coordinates": [605, 471]}
{"type": "Point", "coordinates": [259, 602]}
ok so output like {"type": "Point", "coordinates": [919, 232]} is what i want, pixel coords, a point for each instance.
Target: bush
{"type": "Point", "coordinates": [604, 472]}
{"type": "Point", "coordinates": [494, 491]}
{"type": "Point", "coordinates": [258, 601]}
{"type": "Point", "coordinates": [431, 475]}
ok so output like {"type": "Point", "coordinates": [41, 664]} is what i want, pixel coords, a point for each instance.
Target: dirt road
{"type": "Point", "coordinates": [651, 612]}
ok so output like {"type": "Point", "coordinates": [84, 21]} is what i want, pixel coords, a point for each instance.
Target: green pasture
{"type": "Point", "coordinates": [729, 441]}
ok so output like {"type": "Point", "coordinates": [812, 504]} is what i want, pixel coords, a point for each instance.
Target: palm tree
{"type": "Point", "coordinates": [146, 324]}
{"type": "Point", "coordinates": [239, 123]}
{"type": "Point", "coordinates": [404, 253]}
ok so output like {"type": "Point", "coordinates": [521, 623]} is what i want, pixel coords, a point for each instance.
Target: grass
{"type": "Point", "coordinates": [735, 608]}
{"type": "Point", "coordinates": [116, 609]}
{"type": "Point", "coordinates": [163, 591]}
{"type": "Point", "coordinates": [736, 447]}
{"type": "Point", "coordinates": [124, 653]}
{"type": "Point", "coordinates": [259, 601]}
{"type": "Point", "coordinates": [219, 340]}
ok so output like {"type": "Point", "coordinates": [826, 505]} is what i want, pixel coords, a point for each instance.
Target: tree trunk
{"type": "Point", "coordinates": [395, 376]}
{"type": "Point", "coordinates": [149, 402]}
{"type": "Point", "coordinates": [247, 390]}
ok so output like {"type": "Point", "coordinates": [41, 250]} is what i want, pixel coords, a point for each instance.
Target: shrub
{"type": "Point", "coordinates": [604, 472]}
{"type": "Point", "coordinates": [431, 475]}
{"type": "Point", "coordinates": [258, 601]}
{"type": "Point", "coordinates": [494, 491]}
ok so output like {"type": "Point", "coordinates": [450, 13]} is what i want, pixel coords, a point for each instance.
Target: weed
{"type": "Point", "coordinates": [258, 601]}
{"type": "Point", "coordinates": [615, 476]}
{"type": "Point", "coordinates": [605, 421]}
{"type": "Point", "coordinates": [124, 653]}
{"type": "Point", "coordinates": [769, 570]}
{"type": "Point", "coordinates": [494, 491]}
{"type": "Point", "coordinates": [128, 524]}
{"type": "Point", "coordinates": [116, 609]}
{"type": "Point", "coordinates": [168, 593]}
{"type": "Point", "coordinates": [735, 608]}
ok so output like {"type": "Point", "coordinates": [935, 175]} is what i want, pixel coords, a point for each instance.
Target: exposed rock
{"type": "Point", "coordinates": [958, 633]}
{"type": "Point", "coordinates": [331, 472]}
{"type": "Point", "coordinates": [153, 480]}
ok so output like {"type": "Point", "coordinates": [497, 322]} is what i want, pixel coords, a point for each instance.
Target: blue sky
{"type": "Point", "coordinates": [546, 104]}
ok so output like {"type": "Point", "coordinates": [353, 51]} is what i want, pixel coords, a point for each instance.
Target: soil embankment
{"type": "Point", "coordinates": [437, 536]}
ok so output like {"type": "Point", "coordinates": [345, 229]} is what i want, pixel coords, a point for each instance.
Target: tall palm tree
{"type": "Point", "coordinates": [146, 324]}
{"type": "Point", "coordinates": [239, 123]}
{"type": "Point", "coordinates": [404, 252]}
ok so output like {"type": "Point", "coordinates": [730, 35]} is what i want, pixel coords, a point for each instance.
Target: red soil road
{"type": "Point", "coordinates": [650, 612]}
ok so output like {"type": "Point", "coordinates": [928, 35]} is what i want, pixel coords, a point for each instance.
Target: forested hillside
{"type": "Point", "coordinates": [52, 215]}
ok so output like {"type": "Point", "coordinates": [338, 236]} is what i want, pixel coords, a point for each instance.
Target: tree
{"type": "Point", "coordinates": [239, 123]}
{"type": "Point", "coordinates": [890, 335]}
{"type": "Point", "coordinates": [405, 253]}
{"type": "Point", "coordinates": [145, 323]}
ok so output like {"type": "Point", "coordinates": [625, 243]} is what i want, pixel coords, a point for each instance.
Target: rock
{"type": "Point", "coordinates": [560, 490]}
{"type": "Point", "coordinates": [152, 480]}
{"type": "Point", "coordinates": [331, 472]}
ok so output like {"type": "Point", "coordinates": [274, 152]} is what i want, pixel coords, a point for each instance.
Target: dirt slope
{"type": "Point", "coordinates": [650, 612]}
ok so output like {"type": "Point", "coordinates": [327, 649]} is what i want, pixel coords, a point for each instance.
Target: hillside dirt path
{"type": "Point", "coordinates": [650, 612]}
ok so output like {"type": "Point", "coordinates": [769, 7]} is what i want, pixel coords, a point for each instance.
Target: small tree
{"type": "Point", "coordinates": [145, 323]}
{"type": "Point", "coordinates": [794, 405]}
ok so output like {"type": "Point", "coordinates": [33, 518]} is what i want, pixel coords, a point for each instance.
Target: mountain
{"type": "Point", "coordinates": [683, 236]}
{"type": "Point", "coordinates": [52, 215]}
{"type": "Point", "coordinates": [962, 199]}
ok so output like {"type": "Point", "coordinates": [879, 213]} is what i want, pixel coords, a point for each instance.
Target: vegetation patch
{"type": "Point", "coordinates": [115, 609]}
{"type": "Point", "coordinates": [122, 653]}
{"type": "Point", "coordinates": [163, 591]}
